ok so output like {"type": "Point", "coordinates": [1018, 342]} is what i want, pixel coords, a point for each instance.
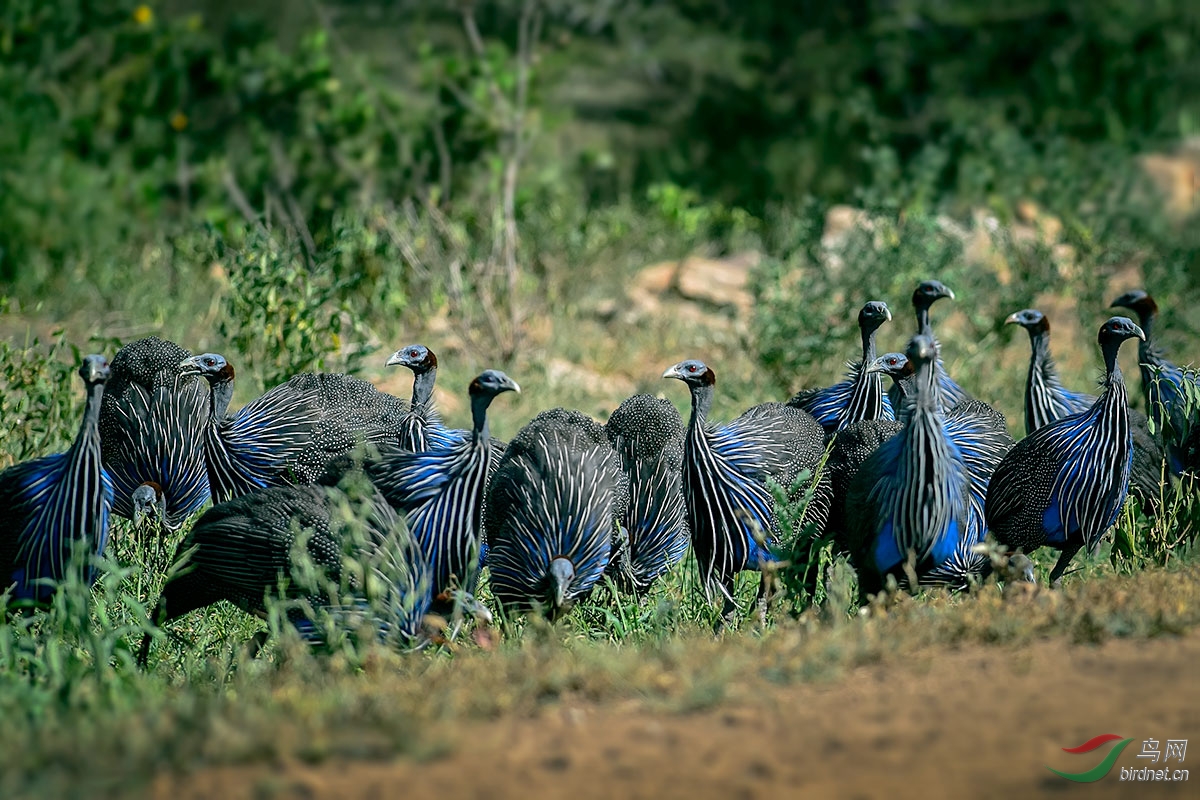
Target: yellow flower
{"type": "Point", "coordinates": [179, 120]}
{"type": "Point", "coordinates": [142, 15]}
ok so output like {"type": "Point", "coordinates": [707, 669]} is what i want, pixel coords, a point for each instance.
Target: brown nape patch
{"type": "Point", "coordinates": [225, 374]}
{"type": "Point", "coordinates": [158, 490]}
{"type": "Point", "coordinates": [431, 361]}
{"type": "Point", "coordinates": [709, 378]}
{"type": "Point", "coordinates": [475, 388]}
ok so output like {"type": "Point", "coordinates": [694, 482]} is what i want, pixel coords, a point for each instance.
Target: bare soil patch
{"type": "Point", "coordinates": [972, 722]}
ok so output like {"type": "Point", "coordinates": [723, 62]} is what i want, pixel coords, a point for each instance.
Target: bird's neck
{"type": "Point", "coordinates": [422, 392]}
{"type": "Point", "coordinates": [1147, 319]}
{"type": "Point", "coordinates": [89, 427]}
{"type": "Point", "coordinates": [480, 432]}
{"type": "Point", "coordinates": [925, 386]}
{"type": "Point", "coordinates": [1039, 344]}
{"type": "Point", "coordinates": [868, 345]}
{"type": "Point", "coordinates": [220, 396]}
{"type": "Point", "coordinates": [1041, 364]}
{"type": "Point", "coordinates": [923, 321]}
{"type": "Point", "coordinates": [702, 397]}
{"type": "Point", "coordinates": [1041, 375]}
{"type": "Point", "coordinates": [866, 398]}
{"type": "Point", "coordinates": [1148, 352]}
{"type": "Point", "coordinates": [1113, 380]}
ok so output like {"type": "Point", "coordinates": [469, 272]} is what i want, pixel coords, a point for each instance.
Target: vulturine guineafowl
{"type": "Point", "coordinates": [860, 396]}
{"type": "Point", "coordinates": [243, 549]}
{"type": "Point", "coordinates": [851, 448]}
{"type": "Point", "coordinates": [152, 428]}
{"type": "Point", "coordinates": [1046, 400]}
{"type": "Point", "coordinates": [1064, 484]}
{"type": "Point", "coordinates": [924, 296]}
{"type": "Point", "coordinates": [1163, 383]}
{"type": "Point", "coordinates": [978, 430]}
{"type": "Point", "coordinates": [552, 510]}
{"type": "Point", "coordinates": [287, 435]}
{"type": "Point", "coordinates": [647, 434]}
{"type": "Point", "coordinates": [49, 504]}
{"type": "Point", "coordinates": [854, 444]}
{"type": "Point", "coordinates": [730, 508]}
{"type": "Point", "coordinates": [150, 508]}
{"type": "Point", "coordinates": [912, 499]}
{"type": "Point", "coordinates": [440, 492]}
{"type": "Point", "coordinates": [422, 428]}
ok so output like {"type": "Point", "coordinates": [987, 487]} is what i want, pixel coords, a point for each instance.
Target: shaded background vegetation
{"type": "Point", "coordinates": [387, 146]}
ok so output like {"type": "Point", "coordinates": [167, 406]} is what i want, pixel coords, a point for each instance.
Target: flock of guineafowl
{"type": "Point", "coordinates": [907, 482]}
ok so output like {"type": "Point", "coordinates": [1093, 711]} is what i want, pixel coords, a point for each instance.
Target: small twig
{"type": "Point", "coordinates": [238, 198]}
{"type": "Point", "coordinates": [445, 165]}
{"type": "Point", "coordinates": [477, 46]}
{"type": "Point", "coordinates": [285, 179]}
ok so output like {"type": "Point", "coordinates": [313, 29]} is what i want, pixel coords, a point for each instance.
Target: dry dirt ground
{"type": "Point", "coordinates": [971, 722]}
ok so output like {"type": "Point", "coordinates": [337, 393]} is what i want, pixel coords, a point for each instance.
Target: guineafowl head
{"type": "Point", "coordinates": [1019, 569]}
{"type": "Point", "coordinates": [1137, 301]}
{"type": "Point", "coordinates": [873, 315]}
{"type": "Point", "coordinates": [894, 365]}
{"type": "Point", "coordinates": [492, 382]}
{"type": "Point", "coordinates": [692, 372]}
{"type": "Point", "coordinates": [929, 292]}
{"type": "Point", "coordinates": [211, 366]}
{"type": "Point", "coordinates": [149, 502]}
{"type": "Point", "coordinates": [1031, 320]}
{"type": "Point", "coordinates": [562, 573]}
{"type": "Point", "coordinates": [94, 370]}
{"type": "Point", "coordinates": [1117, 330]}
{"type": "Point", "coordinates": [922, 350]}
{"type": "Point", "coordinates": [417, 357]}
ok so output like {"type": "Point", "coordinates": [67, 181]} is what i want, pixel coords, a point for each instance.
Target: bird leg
{"type": "Point", "coordinates": [144, 651]}
{"type": "Point", "coordinates": [729, 610]}
{"type": "Point", "coordinates": [1068, 552]}
{"type": "Point", "coordinates": [255, 645]}
{"type": "Point", "coordinates": [766, 593]}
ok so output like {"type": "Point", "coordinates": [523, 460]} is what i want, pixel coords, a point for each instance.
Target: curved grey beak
{"type": "Point", "coordinates": [1011, 319]}
{"type": "Point", "coordinates": [477, 610]}
{"type": "Point", "coordinates": [396, 359]}
{"type": "Point", "coordinates": [1140, 333]}
{"type": "Point", "coordinates": [189, 365]}
{"type": "Point", "coordinates": [673, 372]}
{"type": "Point", "coordinates": [563, 572]}
{"type": "Point", "coordinates": [96, 368]}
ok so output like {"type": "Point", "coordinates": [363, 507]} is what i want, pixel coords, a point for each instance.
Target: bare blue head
{"type": "Point", "coordinates": [213, 367]}
{"type": "Point", "coordinates": [417, 357]}
{"type": "Point", "coordinates": [94, 370]}
{"type": "Point", "coordinates": [693, 372]}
